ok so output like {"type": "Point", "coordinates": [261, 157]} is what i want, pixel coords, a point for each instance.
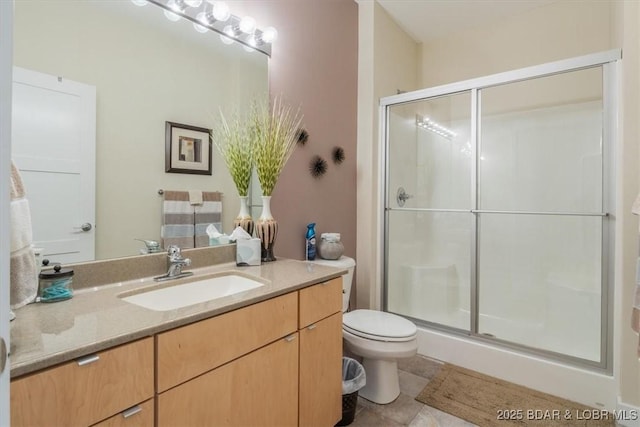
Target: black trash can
{"type": "Point", "coordinates": [353, 379]}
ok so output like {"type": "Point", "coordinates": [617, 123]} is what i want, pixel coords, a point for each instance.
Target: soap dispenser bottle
{"type": "Point", "coordinates": [311, 242]}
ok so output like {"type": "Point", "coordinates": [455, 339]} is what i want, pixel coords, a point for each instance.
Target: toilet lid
{"type": "Point", "coordinates": [378, 325]}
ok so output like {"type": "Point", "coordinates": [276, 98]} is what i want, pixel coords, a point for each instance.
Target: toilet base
{"type": "Point", "coordinates": [383, 385]}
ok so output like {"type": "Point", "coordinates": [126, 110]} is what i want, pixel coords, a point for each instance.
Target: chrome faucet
{"type": "Point", "coordinates": [176, 262]}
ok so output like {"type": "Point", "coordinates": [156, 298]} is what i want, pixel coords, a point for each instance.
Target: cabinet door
{"type": "Point", "coordinates": [87, 390]}
{"type": "Point", "coordinates": [320, 301]}
{"type": "Point", "coordinates": [321, 372]}
{"type": "Point", "coordinates": [259, 389]}
{"type": "Point", "coordinates": [191, 350]}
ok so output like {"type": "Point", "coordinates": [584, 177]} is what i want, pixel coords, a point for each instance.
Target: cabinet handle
{"type": "Point", "coordinates": [131, 411]}
{"type": "Point", "coordinates": [88, 359]}
{"type": "Point", "coordinates": [290, 338]}
{"type": "Point", "coordinates": [312, 327]}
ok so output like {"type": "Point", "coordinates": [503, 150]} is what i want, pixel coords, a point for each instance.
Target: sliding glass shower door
{"type": "Point", "coordinates": [496, 212]}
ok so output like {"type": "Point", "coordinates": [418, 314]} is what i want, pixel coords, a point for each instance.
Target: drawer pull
{"type": "Point", "coordinates": [312, 327]}
{"type": "Point", "coordinates": [290, 338]}
{"type": "Point", "coordinates": [131, 411]}
{"type": "Point", "coordinates": [88, 360]}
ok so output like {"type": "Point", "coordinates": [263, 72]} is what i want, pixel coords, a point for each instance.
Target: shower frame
{"type": "Point", "coordinates": [609, 61]}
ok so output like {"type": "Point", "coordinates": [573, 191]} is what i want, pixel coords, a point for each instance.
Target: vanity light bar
{"type": "Point", "coordinates": [431, 125]}
{"type": "Point", "coordinates": [214, 15]}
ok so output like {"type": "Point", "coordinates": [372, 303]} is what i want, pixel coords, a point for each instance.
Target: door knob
{"type": "Point", "coordinates": [84, 227]}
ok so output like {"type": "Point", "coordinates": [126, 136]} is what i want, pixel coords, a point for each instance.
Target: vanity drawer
{"type": "Point", "coordinates": [87, 390]}
{"type": "Point", "coordinates": [191, 350]}
{"type": "Point", "coordinates": [320, 301]}
{"type": "Point", "coordinates": [141, 415]}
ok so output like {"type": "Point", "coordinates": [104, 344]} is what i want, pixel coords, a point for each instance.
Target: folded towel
{"type": "Point", "coordinates": [195, 197]}
{"type": "Point", "coordinates": [23, 270]}
{"type": "Point", "coordinates": [210, 212]}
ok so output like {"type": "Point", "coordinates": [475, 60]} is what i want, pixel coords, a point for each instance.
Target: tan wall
{"type": "Point", "coordinates": [314, 65]}
{"type": "Point", "coordinates": [627, 35]}
{"type": "Point", "coordinates": [389, 61]}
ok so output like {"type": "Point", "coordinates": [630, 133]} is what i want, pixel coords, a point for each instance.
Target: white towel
{"type": "Point", "coordinates": [23, 270]}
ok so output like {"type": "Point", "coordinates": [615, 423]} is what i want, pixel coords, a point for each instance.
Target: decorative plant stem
{"type": "Point", "coordinates": [275, 132]}
{"type": "Point", "coordinates": [236, 148]}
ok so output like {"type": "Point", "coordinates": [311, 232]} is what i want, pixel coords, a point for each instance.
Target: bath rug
{"type": "Point", "coordinates": [489, 401]}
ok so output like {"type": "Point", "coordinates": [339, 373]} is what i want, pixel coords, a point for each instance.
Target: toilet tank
{"type": "Point", "coordinates": [344, 263]}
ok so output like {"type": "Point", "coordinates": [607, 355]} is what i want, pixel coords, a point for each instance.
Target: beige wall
{"type": "Point", "coordinates": [625, 30]}
{"type": "Point", "coordinates": [314, 65]}
{"type": "Point", "coordinates": [144, 76]}
{"type": "Point", "coordinates": [389, 61]}
{"type": "Point", "coordinates": [556, 31]}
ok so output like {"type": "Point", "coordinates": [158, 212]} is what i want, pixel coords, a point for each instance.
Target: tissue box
{"type": "Point", "coordinates": [248, 252]}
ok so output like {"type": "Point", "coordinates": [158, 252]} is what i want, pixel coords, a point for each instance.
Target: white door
{"type": "Point", "coordinates": [53, 146]}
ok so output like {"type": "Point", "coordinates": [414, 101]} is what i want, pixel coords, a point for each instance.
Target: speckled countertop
{"type": "Point", "coordinates": [43, 335]}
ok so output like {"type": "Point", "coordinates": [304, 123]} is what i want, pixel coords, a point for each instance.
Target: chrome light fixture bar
{"type": "Point", "coordinates": [431, 125]}
{"type": "Point", "coordinates": [215, 16]}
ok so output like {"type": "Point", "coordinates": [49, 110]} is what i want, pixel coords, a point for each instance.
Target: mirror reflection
{"type": "Point", "coordinates": [144, 71]}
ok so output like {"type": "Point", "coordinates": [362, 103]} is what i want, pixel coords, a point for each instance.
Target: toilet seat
{"type": "Point", "coordinates": [379, 326]}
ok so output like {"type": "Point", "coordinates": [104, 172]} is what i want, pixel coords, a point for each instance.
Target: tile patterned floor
{"type": "Point", "coordinates": [414, 374]}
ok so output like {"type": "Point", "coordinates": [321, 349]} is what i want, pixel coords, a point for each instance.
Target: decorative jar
{"type": "Point", "coordinates": [330, 246]}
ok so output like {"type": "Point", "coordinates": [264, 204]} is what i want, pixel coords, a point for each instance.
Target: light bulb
{"type": "Point", "coordinates": [252, 41]}
{"type": "Point", "coordinates": [269, 35]}
{"type": "Point", "coordinates": [221, 11]}
{"type": "Point", "coordinates": [202, 17]}
{"type": "Point", "coordinates": [140, 2]}
{"type": "Point", "coordinates": [171, 16]}
{"type": "Point", "coordinates": [247, 25]}
{"type": "Point", "coordinates": [199, 28]}
{"type": "Point", "coordinates": [193, 3]}
{"type": "Point", "coordinates": [225, 39]}
{"type": "Point", "coordinates": [228, 30]}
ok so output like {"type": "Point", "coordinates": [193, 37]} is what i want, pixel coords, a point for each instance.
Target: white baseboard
{"type": "Point", "coordinates": [627, 415]}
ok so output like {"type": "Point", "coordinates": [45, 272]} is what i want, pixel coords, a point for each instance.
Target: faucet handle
{"type": "Point", "coordinates": [173, 251]}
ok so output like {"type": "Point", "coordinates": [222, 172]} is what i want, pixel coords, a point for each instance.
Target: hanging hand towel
{"type": "Point", "coordinates": [23, 270]}
{"type": "Point", "coordinates": [177, 220]}
{"type": "Point", "coordinates": [210, 212]}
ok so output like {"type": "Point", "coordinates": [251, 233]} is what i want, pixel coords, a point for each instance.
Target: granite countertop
{"type": "Point", "coordinates": [43, 335]}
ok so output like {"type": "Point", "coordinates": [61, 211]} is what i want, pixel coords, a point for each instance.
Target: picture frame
{"type": "Point", "coordinates": [188, 149]}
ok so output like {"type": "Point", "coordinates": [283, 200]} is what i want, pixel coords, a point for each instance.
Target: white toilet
{"type": "Point", "coordinates": [379, 338]}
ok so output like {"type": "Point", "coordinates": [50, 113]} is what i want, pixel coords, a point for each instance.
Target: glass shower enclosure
{"type": "Point", "coordinates": [498, 208]}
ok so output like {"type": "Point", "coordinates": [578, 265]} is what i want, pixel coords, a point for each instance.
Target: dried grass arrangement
{"type": "Point", "coordinates": [275, 133]}
{"type": "Point", "coordinates": [233, 141]}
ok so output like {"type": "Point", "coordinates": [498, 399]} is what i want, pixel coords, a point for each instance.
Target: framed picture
{"type": "Point", "coordinates": [187, 149]}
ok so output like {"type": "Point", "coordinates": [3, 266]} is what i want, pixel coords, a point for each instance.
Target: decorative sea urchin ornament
{"type": "Point", "coordinates": [303, 136]}
{"type": "Point", "coordinates": [338, 155]}
{"type": "Point", "coordinates": [318, 167]}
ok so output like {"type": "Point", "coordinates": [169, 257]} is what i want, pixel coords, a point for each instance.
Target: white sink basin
{"type": "Point", "coordinates": [181, 295]}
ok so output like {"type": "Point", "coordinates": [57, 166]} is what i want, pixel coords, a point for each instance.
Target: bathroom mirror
{"type": "Point", "coordinates": [146, 71]}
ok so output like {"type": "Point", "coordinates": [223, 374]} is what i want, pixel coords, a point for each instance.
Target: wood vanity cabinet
{"type": "Point", "coordinates": [320, 379]}
{"type": "Point", "coordinates": [87, 390]}
{"type": "Point", "coordinates": [274, 363]}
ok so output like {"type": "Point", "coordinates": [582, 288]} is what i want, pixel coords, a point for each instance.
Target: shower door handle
{"type": "Point", "coordinates": [402, 196]}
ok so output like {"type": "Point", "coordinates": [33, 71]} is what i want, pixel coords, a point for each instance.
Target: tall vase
{"type": "Point", "coordinates": [267, 230]}
{"type": "Point", "coordinates": [244, 219]}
